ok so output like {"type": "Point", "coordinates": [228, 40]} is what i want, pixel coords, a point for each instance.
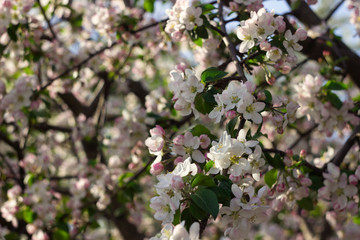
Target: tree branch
{"type": "Point", "coordinates": [229, 43]}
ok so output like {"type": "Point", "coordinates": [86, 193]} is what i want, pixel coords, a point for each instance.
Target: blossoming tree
{"type": "Point", "coordinates": [213, 120]}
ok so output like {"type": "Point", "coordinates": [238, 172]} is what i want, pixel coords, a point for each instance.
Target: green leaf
{"type": "Point", "coordinates": [230, 127]}
{"type": "Point", "coordinates": [12, 32]}
{"type": "Point", "coordinates": [187, 217]}
{"type": "Point", "coordinates": [223, 191]}
{"type": "Point", "coordinates": [355, 219]}
{"type": "Point", "coordinates": [202, 32]}
{"type": "Point", "coordinates": [275, 161]}
{"type": "Point", "coordinates": [334, 85]}
{"type": "Point", "coordinates": [205, 102]}
{"type": "Point", "coordinates": [207, 201]}
{"type": "Point", "coordinates": [28, 215]}
{"type": "Point", "coordinates": [199, 130]}
{"type": "Point", "coordinates": [206, 8]}
{"type": "Point", "coordinates": [268, 96]}
{"type": "Point", "coordinates": [209, 165]}
{"type": "Point", "coordinates": [12, 236]}
{"type": "Point", "coordinates": [197, 212]}
{"type": "Point", "coordinates": [176, 217]}
{"type": "Point", "coordinates": [271, 177]}
{"type": "Point", "coordinates": [334, 100]}
{"type": "Point", "coordinates": [306, 203]}
{"type": "Point", "coordinates": [212, 74]}
{"type": "Point", "coordinates": [202, 180]}
{"type": "Point", "coordinates": [60, 235]}
{"type": "Point", "coordinates": [317, 182]}
{"type": "Point", "coordinates": [149, 5]}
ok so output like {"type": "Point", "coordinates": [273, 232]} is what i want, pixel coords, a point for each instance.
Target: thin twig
{"type": "Point", "coordinates": [229, 43]}
{"type": "Point", "coordinates": [333, 11]}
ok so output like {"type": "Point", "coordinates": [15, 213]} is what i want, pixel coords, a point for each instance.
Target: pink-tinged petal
{"type": "Point", "coordinates": [198, 156]}
{"type": "Point", "coordinates": [333, 170]}
{"type": "Point", "coordinates": [256, 117]}
{"type": "Point", "coordinates": [350, 190]}
{"type": "Point", "coordinates": [259, 106]}
{"type": "Point", "coordinates": [236, 191]}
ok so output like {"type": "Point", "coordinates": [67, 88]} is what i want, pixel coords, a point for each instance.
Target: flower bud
{"type": "Point", "coordinates": [204, 141]}
{"type": "Point", "coordinates": [280, 187]}
{"type": "Point", "coordinates": [234, 179]}
{"type": "Point", "coordinates": [353, 180]}
{"type": "Point", "coordinates": [234, 6]}
{"type": "Point", "coordinates": [156, 168]}
{"type": "Point", "coordinates": [230, 114]}
{"type": "Point", "coordinates": [179, 140]}
{"type": "Point", "coordinates": [306, 182]}
{"type": "Point", "coordinates": [177, 182]}
{"type": "Point", "coordinates": [178, 160]}
{"type": "Point", "coordinates": [303, 153]}
{"type": "Point", "coordinates": [301, 34]}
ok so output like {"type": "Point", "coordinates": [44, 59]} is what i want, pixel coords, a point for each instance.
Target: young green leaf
{"type": "Point", "coordinates": [271, 177]}
{"type": "Point", "coordinates": [212, 74]}
{"type": "Point", "coordinates": [207, 201]}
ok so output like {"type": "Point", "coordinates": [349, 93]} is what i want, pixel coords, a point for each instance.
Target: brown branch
{"type": "Point", "coordinates": [302, 135]}
{"type": "Point", "coordinates": [47, 20]}
{"type": "Point", "coordinates": [341, 154]}
{"type": "Point", "coordinates": [229, 43]}
{"type": "Point", "coordinates": [333, 11]}
{"type": "Point", "coordinates": [313, 48]}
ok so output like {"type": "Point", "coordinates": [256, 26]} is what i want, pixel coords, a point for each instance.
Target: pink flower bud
{"type": "Point", "coordinates": [357, 172]}
{"type": "Point", "coordinates": [157, 131]}
{"type": "Point", "coordinates": [280, 187]}
{"type": "Point", "coordinates": [353, 180]}
{"type": "Point", "coordinates": [303, 153]}
{"type": "Point", "coordinates": [306, 182]}
{"type": "Point", "coordinates": [204, 141]}
{"type": "Point", "coordinates": [280, 130]}
{"type": "Point", "coordinates": [178, 160]}
{"type": "Point", "coordinates": [179, 140]}
{"type": "Point", "coordinates": [234, 179]}
{"type": "Point", "coordinates": [261, 96]}
{"type": "Point", "coordinates": [132, 166]}
{"type": "Point", "coordinates": [234, 6]}
{"type": "Point", "coordinates": [177, 182]}
{"type": "Point", "coordinates": [156, 168]}
{"type": "Point", "coordinates": [250, 86]}
{"type": "Point", "coordinates": [230, 114]}
{"type": "Point", "coordinates": [280, 24]}
{"type": "Point", "coordinates": [270, 80]}
{"type": "Point", "coordinates": [265, 46]}
{"type": "Point", "coordinates": [301, 34]}
{"type": "Point", "coordinates": [181, 67]}
{"type": "Point", "coordinates": [289, 153]}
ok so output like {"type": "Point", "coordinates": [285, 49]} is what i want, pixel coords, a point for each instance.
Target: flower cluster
{"type": "Point", "coordinates": [251, 5]}
{"type": "Point", "coordinates": [237, 156]}
{"type": "Point", "coordinates": [169, 191]}
{"type": "Point", "coordinates": [18, 97]}
{"type": "Point", "coordinates": [260, 29]}
{"type": "Point", "coordinates": [354, 5]}
{"type": "Point", "coordinates": [185, 86]}
{"type": "Point", "coordinates": [171, 232]}
{"type": "Point", "coordinates": [309, 97]}
{"type": "Point", "coordinates": [246, 209]}
{"type": "Point", "coordinates": [340, 189]}
{"type": "Point", "coordinates": [183, 16]}
{"type": "Point", "coordinates": [238, 96]}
